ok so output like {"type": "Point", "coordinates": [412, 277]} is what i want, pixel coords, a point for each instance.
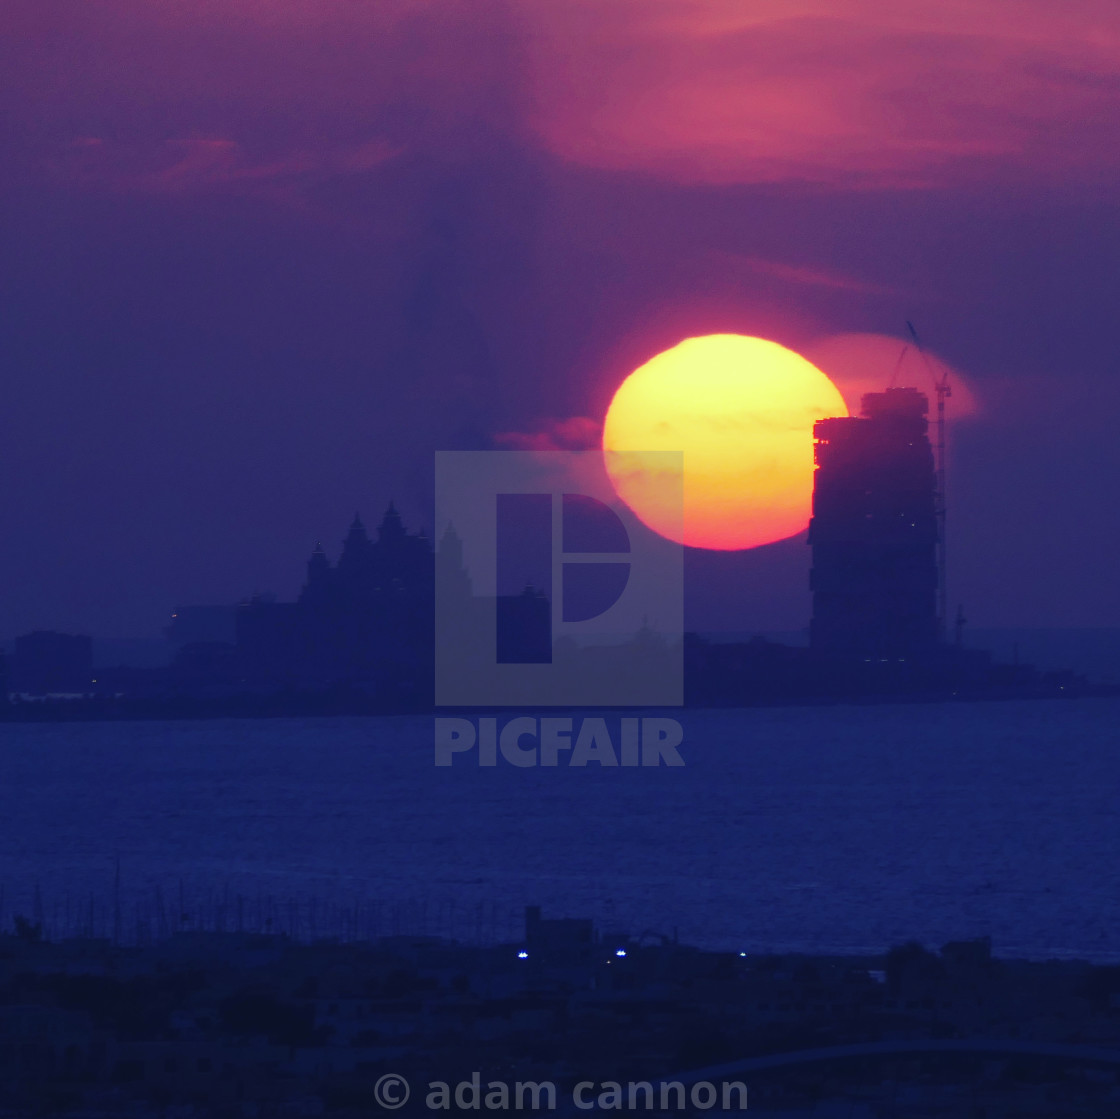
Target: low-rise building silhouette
{"type": "Point", "coordinates": [45, 663]}
{"type": "Point", "coordinates": [524, 628]}
{"type": "Point", "coordinates": [191, 625]}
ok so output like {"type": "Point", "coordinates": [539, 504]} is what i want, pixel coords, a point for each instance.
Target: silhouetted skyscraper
{"type": "Point", "coordinates": [874, 530]}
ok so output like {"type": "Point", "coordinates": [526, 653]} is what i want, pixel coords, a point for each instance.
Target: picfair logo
{"type": "Point", "coordinates": [549, 591]}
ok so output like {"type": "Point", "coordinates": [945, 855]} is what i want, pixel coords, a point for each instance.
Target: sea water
{"type": "Point", "coordinates": [821, 829]}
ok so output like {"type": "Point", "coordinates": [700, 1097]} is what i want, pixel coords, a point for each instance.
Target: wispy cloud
{"type": "Point", "coordinates": [844, 93]}
{"type": "Point", "coordinates": [855, 94]}
{"type": "Point", "coordinates": [806, 276]}
{"type": "Point", "coordinates": [197, 165]}
{"type": "Point", "coordinates": [576, 433]}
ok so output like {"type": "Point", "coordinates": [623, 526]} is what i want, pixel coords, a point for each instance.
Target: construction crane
{"type": "Point", "coordinates": [898, 365]}
{"type": "Point", "coordinates": [943, 390]}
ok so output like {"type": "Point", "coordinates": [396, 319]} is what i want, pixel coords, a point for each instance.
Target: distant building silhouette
{"type": "Point", "coordinates": [366, 620]}
{"type": "Point", "coordinates": [45, 662]}
{"type": "Point", "coordinates": [190, 625]}
{"type": "Point", "coordinates": [558, 940]}
{"type": "Point", "coordinates": [874, 531]}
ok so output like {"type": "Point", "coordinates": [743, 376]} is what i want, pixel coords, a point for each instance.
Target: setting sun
{"type": "Point", "coordinates": [741, 410]}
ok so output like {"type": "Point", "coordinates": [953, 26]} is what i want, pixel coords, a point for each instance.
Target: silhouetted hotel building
{"type": "Point", "coordinates": [874, 531]}
{"type": "Point", "coordinates": [366, 618]}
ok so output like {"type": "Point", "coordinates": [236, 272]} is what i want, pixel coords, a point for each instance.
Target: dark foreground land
{"type": "Point", "coordinates": [232, 1024]}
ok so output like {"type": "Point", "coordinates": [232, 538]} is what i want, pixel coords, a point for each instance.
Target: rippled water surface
{"type": "Point", "coordinates": [819, 828]}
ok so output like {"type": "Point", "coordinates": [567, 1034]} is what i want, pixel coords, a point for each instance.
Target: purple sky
{"type": "Point", "coordinates": [261, 259]}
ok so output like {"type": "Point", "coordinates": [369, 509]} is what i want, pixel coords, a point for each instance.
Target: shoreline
{"type": "Point", "coordinates": [299, 705]}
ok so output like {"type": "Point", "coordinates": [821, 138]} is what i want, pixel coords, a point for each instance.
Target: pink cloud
{"type": "Point", "coordinates": [577, 433]}
{"type": "Point", "coordinates": [862, 363]}
{"type": "Point", "coordinates": [853, 93]}
{"type": "Point", "coordinates": [808, 276]}
{"type": "Point", "coordinates": [199, 164]}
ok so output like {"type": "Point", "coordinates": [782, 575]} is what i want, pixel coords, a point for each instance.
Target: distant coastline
{"type": "Point", "coordinates": [342, 704]}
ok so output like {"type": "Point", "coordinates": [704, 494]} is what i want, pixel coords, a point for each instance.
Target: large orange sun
{"type": "Point", "coordinates": [741, 411]}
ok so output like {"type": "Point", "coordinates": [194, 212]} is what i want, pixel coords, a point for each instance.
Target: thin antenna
{"type": "Point", "coordinates": [943, 389]}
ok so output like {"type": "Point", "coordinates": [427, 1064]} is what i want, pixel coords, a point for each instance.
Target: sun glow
{"type": "Point", "coordinates": [741, 410]}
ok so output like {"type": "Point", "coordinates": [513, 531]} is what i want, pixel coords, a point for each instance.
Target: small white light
{"type": "Point", "coordinates": [620, 952]}
{"type": "Point", "coordinates": [522, 955]}
{"type": "Point", "coordinates": [742, 955]}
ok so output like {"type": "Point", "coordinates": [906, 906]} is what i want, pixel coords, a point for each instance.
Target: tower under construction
{"type": "Point", "coordinates": [874, 531]}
